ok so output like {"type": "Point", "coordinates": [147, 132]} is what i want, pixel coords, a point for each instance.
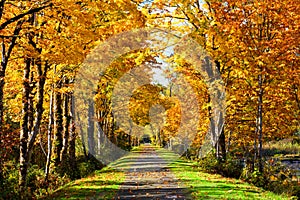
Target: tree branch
{"type": "Point", "coordinates": [13, 40]}
{"type": "Point", "coordinates": [168, 16]}
{"type": "Point", "coordinates": [1, 8]}
{"type": "Point", "coordinates": [8, 36]}
{"type": "Point", "coordinates": [16, 18]}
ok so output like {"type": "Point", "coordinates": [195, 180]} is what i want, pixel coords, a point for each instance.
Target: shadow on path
{"type": "Point", "coordinates": [148, 177]}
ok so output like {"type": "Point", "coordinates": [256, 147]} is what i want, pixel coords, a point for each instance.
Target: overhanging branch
{"type": "Point", "coordinates": [20, 16]}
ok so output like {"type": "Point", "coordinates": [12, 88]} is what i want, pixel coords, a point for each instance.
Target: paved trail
{"type": "Point", "coordinates": [147, 177]}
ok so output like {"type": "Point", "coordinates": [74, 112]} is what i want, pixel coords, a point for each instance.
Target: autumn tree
{"type": "Point", "coordinates": [264, 41]}
{"type": "Point", "coordinates": [12, 18]}
{"type": "Point", "coordinates": [253, 44]}
{"type": "Point", "coordinates": [115, 126]}
{"type": "Point", "coordinates": [53, 38]}
{"type": "Point", "coordinates": [42, 42]}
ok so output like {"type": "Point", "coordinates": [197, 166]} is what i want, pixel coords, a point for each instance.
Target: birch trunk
{"type": "Point", "coordinates": [24, 130]}
{"type": "Point", "coordinates": [58, 126]}
{"type": "Point", "coordinates": [66, 125]}
{"type": "Point", "coordinates": [49, 137]}
{"type": "Point", "coordinates": [259, 121]}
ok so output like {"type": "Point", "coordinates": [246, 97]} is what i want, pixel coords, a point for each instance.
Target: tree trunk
{"type": "Point", "coordinates": [99, 137]}
{"type": "Point", "coordinates": [72, 143]}
{"type": "Point", "coordinates": [221, 140]}
{"type": "Point", "coordinates": [2, 83]}
{"type": "Point", "coordinates": [5, 55]}
{"type": "Point", "coordinates": [295, 89]}
{"type": "Point", "coordinates": [26, 143]}
{"type": "Point", "coordinates": [255, 149]}
{"type": "Point", "coordinates": [112, 129]}
{"type": "Point", "coordinates": [82, 138]}
{"type": "Point", "coordinates": [66, 125]}
{"type": "Point", "coordinates": [31, 103]}
{"type": "Point", "coordinates": [91, 129]}
{"type": "Point", "coordinates": [259, 121]}
{"type": "Point", "coordinates": [24, 131]}
{"type": "Point", "coordinates": [49, 137]}
{"type": "Point", "coordinates": [39, 106]}
{"type": "Point", "coordinates": [58, 126]}
{"type": "Point", "coordinates": [2, 74]}
{"type": "Point", "coordinates": [28, 128]}
{"type": "Point", "coordinates": [222, 146]}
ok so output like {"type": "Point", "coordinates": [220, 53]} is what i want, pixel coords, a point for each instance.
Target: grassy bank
{"type": "Point", "coordinates": [102, 184]}
{"type": "Point", "coordinates": [105, 183]}
{"type": "Point", "coordinates": [213, 186]}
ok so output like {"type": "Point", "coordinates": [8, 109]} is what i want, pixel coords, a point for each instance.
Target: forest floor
{"type": "Point", "coordinates": [155, 173]}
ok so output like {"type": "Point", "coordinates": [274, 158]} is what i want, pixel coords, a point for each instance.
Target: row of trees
{"type": "Point", "coordinates": [42, 46]}
{"type": "Point", "coordinates": [254, 45]}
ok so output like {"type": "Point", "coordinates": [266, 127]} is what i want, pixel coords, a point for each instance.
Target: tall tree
{"type": "Point", "coordinates": [58, 124]}
{"type": "Point", "coordinates": [253, 43]}
{"type": "Point", "coordinates": [12, 19]}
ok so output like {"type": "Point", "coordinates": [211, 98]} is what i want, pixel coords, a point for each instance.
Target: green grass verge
{"type": "Point", "coordinates": [103, 184]}
{"type": "Point", "coordinates": [213, 186]}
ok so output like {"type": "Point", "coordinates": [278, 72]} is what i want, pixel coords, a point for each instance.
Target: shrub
{"type": "Point", "coordinates": [209, 163]}
{"type": "Point", "coordinates": [35, 181]}
{"type": "Point", "coordinates": [231, 167]}
{"type": "Point", "coordinates": [254, 176]}
{"type": "Point", "coordinates": [10, 182]}
{"type": "Point", "coordinates": [87, 167]}
{"type": "Point", "coordinates": [280, 179]}
{"type": "Point", "coordinates": [275, 177]}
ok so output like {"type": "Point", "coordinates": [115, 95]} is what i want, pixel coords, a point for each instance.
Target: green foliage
{"type": "Point", "coordinates": [35, 181]}
{"type": "Point", "coordinates": [55, 181]}
{"type": "Point", "coordinates": [209, 163]}
{"type": "Point", "coordinates": [69, 168]}
{"type": "Point", "coordinates": [37, 186]}
{"type": "Point", "coordinates": [231, 167]}
{"type": "Point", "coordinates": [275, 177]}
{"type": "Point", "coordinates": [123, 139]}
{"type": "Point", "coordinates": [213, 186]}
{"type": "Point", "coordinates": [254, 177]}
{"type": "Point", "coordinates": [10, 183]}
{"type": "Point", "coordinates": [88, 167]}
